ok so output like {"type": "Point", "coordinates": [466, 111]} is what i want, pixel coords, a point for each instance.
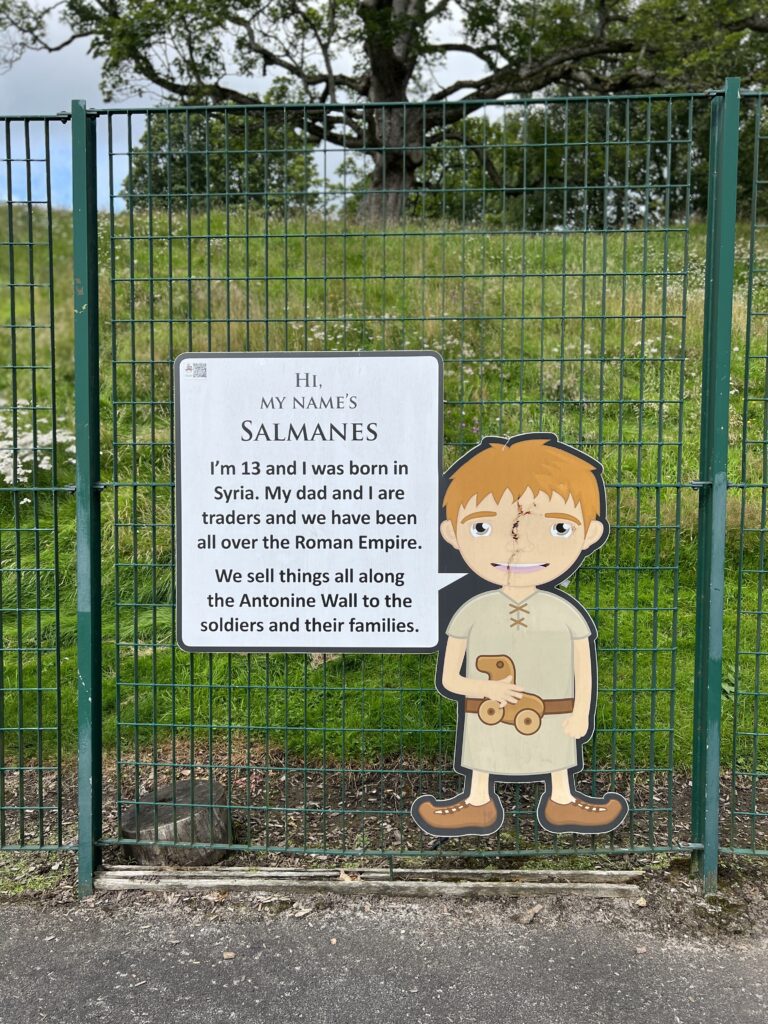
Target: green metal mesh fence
{"type": "Point", "coordinates": [37, 598]}
{"type": "Point", "coordinates": [552, 253]}
{"type": "Point", "coordinates": [745, 691]}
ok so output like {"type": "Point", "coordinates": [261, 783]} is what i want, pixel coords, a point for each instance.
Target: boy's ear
{"type": "Point", "coordinates": [594, 532]}
{"type": "Point", "coordinates": [448, 533]}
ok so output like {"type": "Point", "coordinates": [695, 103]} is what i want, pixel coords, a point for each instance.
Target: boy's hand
{"type": "Point", "coordinates": [503, 690]}
{"type": "Point", "coordinates": [576, 726]}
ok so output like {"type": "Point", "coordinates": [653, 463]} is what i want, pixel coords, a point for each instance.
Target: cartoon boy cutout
{"type": "Point", "coordinates": [523, 513]}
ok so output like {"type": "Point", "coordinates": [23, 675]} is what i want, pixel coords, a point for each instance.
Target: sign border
{"type": "Point", "coordinates": [177, 495]}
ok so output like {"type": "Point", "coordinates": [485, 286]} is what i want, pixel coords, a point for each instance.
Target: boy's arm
{"type": "Point", "coordinates": [502, 690]}
{"type": "Point", "coordinates": [577, 725]}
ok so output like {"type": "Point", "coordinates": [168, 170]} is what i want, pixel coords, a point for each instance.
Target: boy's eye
{"type": "Point", "coordinates": [480, 529]}
{"type": "Point", "coordinates": [561, 530]}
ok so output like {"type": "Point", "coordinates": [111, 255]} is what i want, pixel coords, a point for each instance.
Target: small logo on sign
{"type": "Point", "coordinates": [195, 370]}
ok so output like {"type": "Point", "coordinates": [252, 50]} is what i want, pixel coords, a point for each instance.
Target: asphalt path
{"type": "Point", "coordinates": [161, 960]}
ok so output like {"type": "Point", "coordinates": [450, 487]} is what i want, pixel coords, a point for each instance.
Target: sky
{"type": "Point", "coordinates": [47, 83]}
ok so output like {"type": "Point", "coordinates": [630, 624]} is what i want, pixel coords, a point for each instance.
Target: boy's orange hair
{"type": "Point", "coordinates": [536, 464]}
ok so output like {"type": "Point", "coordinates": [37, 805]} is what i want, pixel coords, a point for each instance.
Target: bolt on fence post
{"type": "Point", "coordinates": [86, 317]}
{"type": "Point", "coordinates": [716, 365]}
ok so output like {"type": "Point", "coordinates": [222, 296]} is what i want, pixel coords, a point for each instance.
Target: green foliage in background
{"type": "Point", "coordinates": [565, 165]}
{"type": "Point", "coordinates": [365, 53]}
{"type": "Point", "coordinates": [260, 156]}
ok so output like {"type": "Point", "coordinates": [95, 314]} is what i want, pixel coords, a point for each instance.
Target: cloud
{"type": "Point", "coordinates": [43, 83]}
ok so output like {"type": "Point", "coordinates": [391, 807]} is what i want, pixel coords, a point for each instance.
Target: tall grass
{"type": "Point", "coordinates": [596, 336]}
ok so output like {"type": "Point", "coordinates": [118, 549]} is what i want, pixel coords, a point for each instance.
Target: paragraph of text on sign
{"type": "Point", "coordinates": [307, 501]}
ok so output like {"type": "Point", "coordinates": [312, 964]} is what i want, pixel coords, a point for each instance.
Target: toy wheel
{"type": "Point", "coordinates": [527, 722]}
{"type": "Point", "coordinates": [490, 712]}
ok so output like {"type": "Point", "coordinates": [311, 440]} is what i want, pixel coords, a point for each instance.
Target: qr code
{"type": "Point", "coordinates": [196, 370]}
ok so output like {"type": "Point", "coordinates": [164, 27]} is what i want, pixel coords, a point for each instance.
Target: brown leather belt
{"type": "Point", "coordinates": [525, 715]}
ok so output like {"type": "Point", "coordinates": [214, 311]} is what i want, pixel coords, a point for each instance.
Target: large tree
{"type": "Point", "coordinates": [386, 51]}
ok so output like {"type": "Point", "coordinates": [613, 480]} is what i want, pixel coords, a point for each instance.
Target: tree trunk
{"type": "Point", "coordinates": [397, 154]}
{"type": "Point", "coordinates": [396, 140]}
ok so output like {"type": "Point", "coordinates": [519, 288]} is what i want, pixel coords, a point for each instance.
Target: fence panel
{"type": "Point", "coordinates": [551, 252]}
{"type": "Point", "coordinates": [745, 688]}
{"type": "Point", "coordinates": [37, 596]}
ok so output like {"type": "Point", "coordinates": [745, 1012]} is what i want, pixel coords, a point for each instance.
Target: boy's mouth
{"type": "Point", "coordinates": [519, 566]}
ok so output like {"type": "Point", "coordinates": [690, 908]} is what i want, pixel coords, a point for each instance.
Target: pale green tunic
{"type": "Point", "coordinates": [538, 635]}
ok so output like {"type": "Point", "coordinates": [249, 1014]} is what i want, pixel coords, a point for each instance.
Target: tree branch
{"type": "Point", "coordinates": [755, 22]}
{"type": "Point", "coordinates": [188, 91]}
{"type": "Point", "coordinates": [531, 76]}
{"type": "Point", "coordinates": [41, 45]}
{"type": "Point", "coordinates": [440, 8]}
{"type": "Point", "coordinates": [482, 53]}
{"type": "Point", "coordinates": [269, 57]}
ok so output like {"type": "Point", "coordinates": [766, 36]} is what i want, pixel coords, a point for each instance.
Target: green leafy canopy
{"type": "Point", "coordinates": [369, 52]}
{"type": "Point", "coordinates": [388, 49]}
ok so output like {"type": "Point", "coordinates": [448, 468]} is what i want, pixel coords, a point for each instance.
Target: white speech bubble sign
{"type": "Point", "coordinates": [307, 501]}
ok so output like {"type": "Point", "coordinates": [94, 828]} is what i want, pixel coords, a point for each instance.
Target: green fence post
{"type": "Point", "coordinates": [713, 484]}
{"type": "Point", "coordinates": [86, 312]}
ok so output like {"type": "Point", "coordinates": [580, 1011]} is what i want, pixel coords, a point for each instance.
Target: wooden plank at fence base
{"type": "Point", "coordinates": [552, 884]}
{"type": "Point", "coordinates": [446, 874]}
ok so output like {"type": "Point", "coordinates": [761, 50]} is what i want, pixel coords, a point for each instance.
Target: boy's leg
{"type": "Point", "coordinates": [561, 788]}
{"type": "Point", "coordinates": [479, 792]}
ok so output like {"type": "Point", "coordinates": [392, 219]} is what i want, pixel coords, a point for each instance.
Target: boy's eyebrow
{"type": "Point", "coordinates": [562, 515]}
{"type": "Point", "coordinates": [478, 515]}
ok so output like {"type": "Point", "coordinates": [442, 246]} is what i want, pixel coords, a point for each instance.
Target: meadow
{"type": "Point", "coordinates": [594, 335]}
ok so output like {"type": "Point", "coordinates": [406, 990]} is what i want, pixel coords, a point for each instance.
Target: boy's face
{"type": "Point", "coordinates": [521, 542]}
